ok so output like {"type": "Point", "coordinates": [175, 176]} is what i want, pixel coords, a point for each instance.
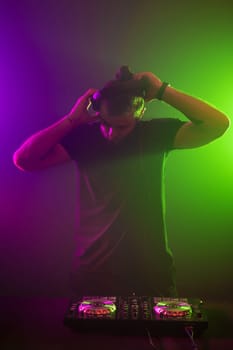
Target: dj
{"type": "Point", "coordinates": [121, 236]}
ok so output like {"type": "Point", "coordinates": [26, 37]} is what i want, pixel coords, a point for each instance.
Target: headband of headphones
{"type": "Point", "coordinates": [124, 84]}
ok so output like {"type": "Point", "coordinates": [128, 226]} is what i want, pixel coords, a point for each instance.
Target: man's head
{"type": "Point", "coordinates": [119, 119]}
{"type": "Point", "coordinates": [120, 104]}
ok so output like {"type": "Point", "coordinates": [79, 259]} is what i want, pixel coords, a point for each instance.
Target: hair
{"type": "Point", "coordinates": [122, 95]}
{"type": "Point", "coordinates": [124, 103]}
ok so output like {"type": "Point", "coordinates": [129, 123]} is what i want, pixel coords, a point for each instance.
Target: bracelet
{"type": "Point", "coordinates": [161, 90]}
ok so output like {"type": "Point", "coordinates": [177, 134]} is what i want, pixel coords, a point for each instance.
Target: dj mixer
{"type": "Point", "coordinates": [133, 314]}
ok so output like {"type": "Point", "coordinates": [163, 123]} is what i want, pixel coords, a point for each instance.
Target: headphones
{"type": "Point", "coordinates": [124, 84]}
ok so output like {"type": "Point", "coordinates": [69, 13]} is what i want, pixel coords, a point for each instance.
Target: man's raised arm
{"type": "Point", "coordinates": [42, 149]}
{"type": "Point", "coordinates": [206, 123]}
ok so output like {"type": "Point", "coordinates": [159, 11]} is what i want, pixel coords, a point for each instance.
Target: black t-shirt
{"type": "Point", "coordinates": [121, 218]}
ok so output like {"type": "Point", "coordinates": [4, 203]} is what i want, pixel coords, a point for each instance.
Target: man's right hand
{"type": "Point", "coordinates": [79, 113]}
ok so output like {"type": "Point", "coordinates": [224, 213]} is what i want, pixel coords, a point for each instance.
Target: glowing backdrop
{"type": "Point", "coordinates": [51, 52]}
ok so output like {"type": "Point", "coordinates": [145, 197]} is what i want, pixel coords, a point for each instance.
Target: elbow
{"type": "Point", "coordinates": [219, 126]}
{"type": "Point", "coordinates": [224, 125]}
{"type": "Point", "coordinates": [227, 122]}
{"type": "Point", "coordinates": [21, 162]}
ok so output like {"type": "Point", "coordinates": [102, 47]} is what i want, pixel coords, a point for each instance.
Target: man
{"type": "Point", "coordinates": [121, 239]}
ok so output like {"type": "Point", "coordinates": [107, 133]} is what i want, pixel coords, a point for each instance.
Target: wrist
{"type": "Point", "coordinates": [73, 122]}
{"type": "Point", "coordinates": [161, 90]}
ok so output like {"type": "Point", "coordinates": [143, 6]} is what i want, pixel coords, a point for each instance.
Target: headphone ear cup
{"type": "Point", "coordinates": [95, 101]}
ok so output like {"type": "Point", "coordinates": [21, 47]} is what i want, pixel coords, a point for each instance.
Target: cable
{"type": "Point", "coordinates": [189, 331]}
{"type": "Point", "coordinates": [154, 346]}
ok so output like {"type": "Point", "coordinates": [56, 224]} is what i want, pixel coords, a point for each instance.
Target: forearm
{"type": "Point", "coordinates": [196, 110]}
{"type": "Point", "coordinates": [39, 145]}
{"type": "Point", "coordinates": [43, 149]}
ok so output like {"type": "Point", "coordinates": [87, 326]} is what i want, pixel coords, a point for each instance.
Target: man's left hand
{"type": "Point", "coordinates": [155, 84]}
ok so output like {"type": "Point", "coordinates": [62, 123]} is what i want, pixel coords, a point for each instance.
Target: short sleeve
{"type": "Point", "coordinates": [73, 141]}
{"type": "Point", "coordinates": [83, 142]}
{"type": "Point", "coordinates": [160, 133]}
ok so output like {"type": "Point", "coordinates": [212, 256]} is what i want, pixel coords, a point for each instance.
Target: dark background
{"type": "Point", "coordinates": [51, 52]}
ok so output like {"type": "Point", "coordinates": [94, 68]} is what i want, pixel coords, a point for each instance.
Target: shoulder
{"type": "Point", "coordinates": [160, 132]}
{"type": "Point", "coordinates": [80, 139]}
{"type": "Point", "coordinates": [161, 123]}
